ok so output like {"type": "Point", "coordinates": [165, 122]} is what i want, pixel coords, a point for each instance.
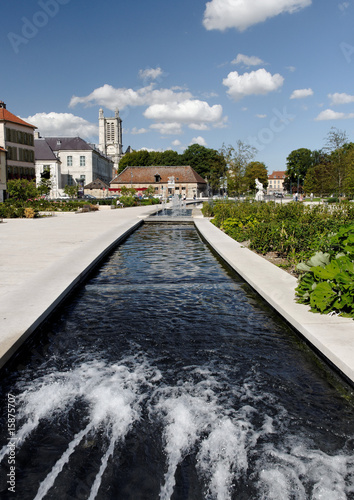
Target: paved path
{"type": "Point", "coordinates": [43, 259]}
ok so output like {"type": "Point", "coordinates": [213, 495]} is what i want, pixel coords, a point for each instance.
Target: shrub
{"type": "Point", "coordinates": [327, 284]}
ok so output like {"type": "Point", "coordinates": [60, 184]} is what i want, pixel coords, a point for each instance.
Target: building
{"type": "Point", "coordinates": [166, 181]}
{"type": "Point", "coordinates": [48, 165]}
{"type": "Point", "coordinates": [17, 137]}
{"type": "Point", "coordinates": [110, 138]}
{"type": "Point", "coordinates": [97, 188]}
{"type": "Point", "coordinates": [276, 182]}
{"type": "Point", "coordinates": [80, 162]}
{"type": "Point", "coordinates": [3, 174]}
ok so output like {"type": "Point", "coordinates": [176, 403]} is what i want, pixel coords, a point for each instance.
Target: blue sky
{"type": "Point", "coordinates": [276, 74]}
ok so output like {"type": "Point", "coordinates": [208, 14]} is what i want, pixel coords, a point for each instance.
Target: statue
{"type": "Point", "coordinates": [260, 192]}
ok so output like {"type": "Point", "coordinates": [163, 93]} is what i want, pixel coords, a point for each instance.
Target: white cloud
{"type": "Point", "coordinates": [291, 68]}
{"type": "Point", "coordinates": [198, 126]}
{"type": "Point", "coordinates": [187, 112]}
{"type": "Point", "coordinates": [241, 14]}
{"type": "Point", "coordinates": [301, 93]}
{"type": "Point", "coordinates": [176, 143]}
{"type": "Point", "coordinates": [261, 116]}
{"type": "Point", "coordinates": [63, 124]}
{"type": "Point", "coordinates": [343, 6]}
{"type": "Point", "coordinates": [150, 73]}
{"type": "Point", "coordinates": [247, 60]}
{"type": "Point", "coordinates": [340, 98]}
{"type": "Point", "coordinates": [112, 98]}
{"type": "Point", "coordinates": [136, 131]}
{"type": "Point", "coordinates": [198, 140]}
{"type": "Point", "coordinates": [173, 128]}
{"type": "Point", "coordinates": [329, 114]}
{"type": "Point", "coordinates": [253, 83]}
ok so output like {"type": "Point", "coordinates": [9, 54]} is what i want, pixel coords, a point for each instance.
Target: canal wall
{"type": "Point", "coordinates": [43, 260]}
{"type": "Point", "coordinates": [331, 336]}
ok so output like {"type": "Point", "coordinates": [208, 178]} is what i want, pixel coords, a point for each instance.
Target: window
{"type": "Point", "coordinates": [82, 161]}
{"type": "Point", "coordinates": [69, 161]}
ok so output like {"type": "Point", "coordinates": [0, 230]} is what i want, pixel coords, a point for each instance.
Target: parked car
{"type": "Point", "coordinates": [89, 197]}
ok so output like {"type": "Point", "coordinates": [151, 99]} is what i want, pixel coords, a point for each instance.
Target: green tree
{"type": "Point", "coordinates": [337, 148]}
{"type": "Point", "coordinates": [22, 189]}
{"type": "Point", "coordinates": [45, 185]}
{"type": "Point", "coordinates": [134, 159]}
{"type": "Point", "coordinates": [149, 191]}
{"type": "Point", "coordinates": [236, 160]}
{"type": "Point", "coordinates": [255, 170]}
{"type": "Point", "coordinates": [208, 163]}
{"type": "Point", "coordinates": [71, 190]}
{"type": "Point", "coordinates": [298, 163]}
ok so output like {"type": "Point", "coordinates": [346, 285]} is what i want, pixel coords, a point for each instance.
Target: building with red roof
{"type": "Point", "coordinates": [166, 181]}
{"type": "Point", "coordinates": [276, 182]}
{"type": "Point", "coordinates": [17, 137]}
{"type": "Point", "coordinates": [3, 174]}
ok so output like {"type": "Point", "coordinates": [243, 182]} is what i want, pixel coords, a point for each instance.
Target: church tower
{"type": "Point", "coordinates": [110, 137]}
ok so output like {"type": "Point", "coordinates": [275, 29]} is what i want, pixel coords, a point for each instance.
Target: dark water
{"type": "Point", "coordinates": [165, 377]}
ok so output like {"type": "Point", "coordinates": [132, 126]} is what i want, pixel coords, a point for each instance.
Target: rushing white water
{"type": "Point", "coordinates": [167, 381]}
{"type": "Point", "coordinates": [196, 420]}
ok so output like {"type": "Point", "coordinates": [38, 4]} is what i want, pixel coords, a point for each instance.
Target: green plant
{"type": "Point", "coordinates": [327, 284]}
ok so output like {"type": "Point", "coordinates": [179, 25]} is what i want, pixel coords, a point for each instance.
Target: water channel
{"type": "Point", "coordinates": [165, 376]}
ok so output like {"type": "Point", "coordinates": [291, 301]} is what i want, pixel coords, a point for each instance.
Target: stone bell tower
{"type": "Point", "coordinates": [110, 137]}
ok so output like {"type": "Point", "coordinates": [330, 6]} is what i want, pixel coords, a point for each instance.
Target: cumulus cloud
{"type": "Point", "coordinates": [301, 93]}
{"type": "Point", "coordinates": [329, 114]}
{"type": "Point", "coordinates": [241, 14]}
{"type": "Point", "coordinates": [150, 73]}
{"type": "Point", "coordinates": [253, 83]}
{"type": "Point", "coordinates": [63, 124]}
{"type": "Point", "coordinates": [188, 111]}
{"type": "Point", "coordinates": [247, 60]}
{"type": "Point", "coordinates": [341, 98]}
{"type": "Point", "coordinates": [176, 143]}
{"type": "Point", "coordinates": [198, 140]}
{"type": "Point", "coordinates": [112, 98]}
{"type": "Point", "coordinates": [172, 128]}
{"type": "Point", "coordinates": [137, 131]}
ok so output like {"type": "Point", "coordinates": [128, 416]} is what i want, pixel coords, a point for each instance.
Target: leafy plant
{"type": "Point", "coordinates": [327, 284]}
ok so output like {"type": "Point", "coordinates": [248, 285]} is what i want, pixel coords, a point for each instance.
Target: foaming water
{"type": "Point", "coordinates": [166, 378]}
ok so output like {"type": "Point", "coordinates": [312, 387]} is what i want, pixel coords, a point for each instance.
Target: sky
{"type": "Point", "coordinates": [274, 74]}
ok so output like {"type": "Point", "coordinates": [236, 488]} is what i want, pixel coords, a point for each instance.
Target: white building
{"type": "Point", "coordinates": [110, 138]}
{"type": "Point", "coordinates": [276, 182]}
{"type": "Point", "coordinates": [77, 162]}
{"type": "Point", "coordinates": [47, 163]}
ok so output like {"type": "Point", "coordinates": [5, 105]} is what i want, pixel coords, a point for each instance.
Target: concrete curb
{"type": "Point", "coordinates": [333, 337]}
{"type": "Point", "coordinates": [39, 296]}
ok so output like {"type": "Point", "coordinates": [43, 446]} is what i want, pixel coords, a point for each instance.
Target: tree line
{"type": "Point", "coordinates": [233, 169]}
{"type": "Point", "coordinates": [323, 172]}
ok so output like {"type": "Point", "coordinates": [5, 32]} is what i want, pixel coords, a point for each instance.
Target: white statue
{"type": "Point", "coordinates": [260, 192]}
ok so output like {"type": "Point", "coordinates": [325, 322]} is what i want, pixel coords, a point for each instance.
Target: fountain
{"type": "Point", "coordinates": [165, 376]}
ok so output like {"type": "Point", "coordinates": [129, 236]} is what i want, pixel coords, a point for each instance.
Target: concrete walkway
{"type": "Point", "coordinates": [42, 260]}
